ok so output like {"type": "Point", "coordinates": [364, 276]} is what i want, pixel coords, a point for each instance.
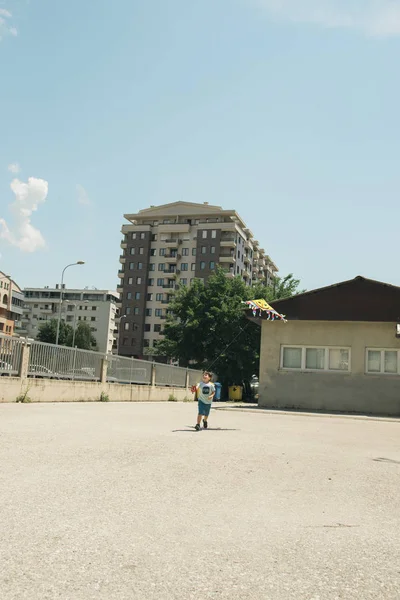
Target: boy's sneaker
{"type": "Point", "coordinates": [197, 428]}
{"type": "Point", "coordinates": [205, 424]}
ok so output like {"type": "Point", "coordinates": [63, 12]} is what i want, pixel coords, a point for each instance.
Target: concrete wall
{"type": "Point", "coordinates": [328, 391]}
{"type": "Point", "coordinates": [47, 390]}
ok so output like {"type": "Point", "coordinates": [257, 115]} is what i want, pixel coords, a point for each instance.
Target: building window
{"type": "Point", "coordinates": [202, 265]}
{"type": "Point", "coordinates": [129, 296]}
{"type": "Point", "coordinates": [142, 236]}
{"type": "Point", "coordinates": [204, 234]}
{"type": "Point", "coordinates": [153, 252]}
{"type": "Point", "coordinates": [136, 310]}
{"type": "Point", "coordinates": [160, 282]}
{"type": "Point", "coordinates": [141, 250]}
{"type": "Point", "coordinates": [150, 282]}
{"type": "Point", "coordinates": [147, 327]}
{"type": "Point", "coordinates": [157, 328]}
{"type": "Point", "coordinates": [162, 251]}
{"type": "Point", "coordinates": [138, 280]}
{"type": "Point", "coordinates": [128, 310]}
{"type": "Point", "coordinates": [161, 267]}
{"type": "Point", "coordinates": [146, 343]}
{"type": "Point", "coordinates": [185, 251]}
{"type": "Point", "coordinates": [130, 280]}
{"type": "Point", "coordinates": [152, 267]}
{"type": "Point", "coordinates": [212, 265]}
{"type": "Point", "coordinates": [134, 236]}
{"type": "Point", "coordinates": [126, 326]}
{"type": "Point", "coordinates": [154, 237]}
{"type": "Point", "coordinates": [137, 295]}
{"type": "Point", "coordinates": [319, 358]}
{"type": "Point", "coordinates": [193, 267]}
{"type": "Point", "coordinates": [212, 249]}
{"type": "Point", "coordinates": [238, 253]}
{"type": "Point", "coordinates": [149, 297]}
{"type": "Point", "coordinates": [184, 267]}
{"type": "Point", "coordinates": [149, 312]}
{"type": "Point", "coordinates": [94, 307]}
{"type": "Point", "coordinates": [237, 270]}
{"type": "Point", "coordinates": [194, 251]}
{"type": "Point", "coordinates": [158, 312]}
{"type": "Point", "coordinates": [159, 297]}
{"type": "Point", "coordinates": [131, 266]}
{"type": "Point", "coordinates": [92, 318]}
{"type": "Point", "coordinates": [125, 341]}
{"type": "Point", "coordinates": [133, 251]}
{"type": "Point", "coordinates": [385, 362]}
{"type": "Point", "coordinates": [213, 233]}
{"type": "Point", "coordinates": [184, 281]}
{"type": "Point", "coordinates": [140, 266]}
{"type": "Point", "coordinates": [204, 249]}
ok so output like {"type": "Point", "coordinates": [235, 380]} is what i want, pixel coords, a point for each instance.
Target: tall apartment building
{"type": "Point", "coordinates": [96, 307]}
{"type": "Point", "coordinates": [171, 245]}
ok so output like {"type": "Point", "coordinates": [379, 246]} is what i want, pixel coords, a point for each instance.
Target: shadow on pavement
{"type": "Point", "coordinates": [191, 429]}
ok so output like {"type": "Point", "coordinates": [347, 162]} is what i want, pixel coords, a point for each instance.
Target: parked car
{"type": "Point", "coordinates": [6, 369]}
{"type": "Point", "coordinates": [39, 371]}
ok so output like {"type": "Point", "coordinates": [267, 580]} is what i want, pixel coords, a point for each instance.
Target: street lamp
{"type": "Point", "coordinates": [79, 262]}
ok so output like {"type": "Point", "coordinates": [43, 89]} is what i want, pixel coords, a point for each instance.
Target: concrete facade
{"type": "Point", "coordinates": [11, 301]}
{"type": "Point", "coordinates": [354, 390]}
{"type": "Point", "coordinates": [95, 307]}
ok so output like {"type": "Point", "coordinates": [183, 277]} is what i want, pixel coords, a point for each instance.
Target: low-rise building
{"type": "Point", "coordinates": [96, 307]}
{"type": "Point", "coordinates": [11, 302]}
{"type": "Point", "coordinates": [338, 351]}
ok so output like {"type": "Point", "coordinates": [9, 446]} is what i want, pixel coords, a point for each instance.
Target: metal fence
{"type": "Point", "coordinates": [10, 355]}
{"type": "Point", "coordinates": [61, 362]}
{"type": "Point", "coordinates": [128, 370]}
{"type": "Point", "coordinates": [170, 375]}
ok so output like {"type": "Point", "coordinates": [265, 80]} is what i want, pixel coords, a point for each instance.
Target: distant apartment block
{"type": "Point", "coordinates": [95, 307]}
{"type": "Point", "coordinates": [171, 245]}
{"type": "Point", "coordinates": [11, 301]}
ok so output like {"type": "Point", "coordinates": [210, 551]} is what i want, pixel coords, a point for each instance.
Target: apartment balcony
{"type": "Point", "coordinates": [246, 275]}
{"type": "Point", "coordinates": [228, 241]}
{"type": "Point", "coordinates": [121, 274]}
{"type": "Point", "coordinates": [122, 259]}
{"type": "Point", "coordinates": [120, 289]}
{"type": "Point", "coordinates": [124, 245]}
{"type": "Point", "coordinates": [171, 259]}
{"type": "Point", "coordinates": [172, 242]}
{"type": "Point", "coordinates": [229, 272]}
{"type": "Point", "coordinates": [174, 228]}
{"type": "Point", "coordinates": [169, 286]}
{"type": "Point", "coordinates": [226, 258]}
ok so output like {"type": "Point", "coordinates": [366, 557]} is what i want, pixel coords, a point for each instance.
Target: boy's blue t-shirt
{"type": "Point", "coordinates": [204, 391]}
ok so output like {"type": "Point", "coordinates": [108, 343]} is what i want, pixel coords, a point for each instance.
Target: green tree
{"type": "Point", "coordinates": [281, 287]}
{"type": "Point", "coordinates": [209, 326]}
{"type": "Point", "coordinates": [48, 332]}
{"type": "Point", "coordinates": [84, 338]}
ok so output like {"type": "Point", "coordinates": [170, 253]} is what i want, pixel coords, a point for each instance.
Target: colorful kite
{"type": "Point", "coordinates": [261, 307]}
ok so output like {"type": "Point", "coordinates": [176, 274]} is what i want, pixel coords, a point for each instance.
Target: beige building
{"type": "Point", "coordinates": [11, 301]}
{"type": "Point", "coordinates": [171, 245]}
{"type": "Point", "coordinates": [338, 351]}
{"type": "Point", "coordinates": [98, 308]}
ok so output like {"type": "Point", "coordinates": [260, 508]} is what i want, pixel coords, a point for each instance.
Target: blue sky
{"type": "Point", "coordinates": [286, 111]}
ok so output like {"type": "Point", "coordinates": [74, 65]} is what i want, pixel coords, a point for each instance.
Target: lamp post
{"type": "Point", "coordinates": [79, 262]}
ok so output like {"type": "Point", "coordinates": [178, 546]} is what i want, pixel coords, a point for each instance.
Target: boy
{"type": "Point", "coordinates": [205, 391]}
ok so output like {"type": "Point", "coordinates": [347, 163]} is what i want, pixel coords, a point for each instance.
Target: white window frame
{"type": "Point", "coordinates": [303, 368]}
{"type": "Point", "coordinates": [382, 371]}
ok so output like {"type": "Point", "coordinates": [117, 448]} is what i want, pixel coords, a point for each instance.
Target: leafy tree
{"type": "Point", "coordinates": [84, 338]}
{"type": "Point", "coordinates": [209, 326]}
{"type": "Point", "coordinates": [48, 332]}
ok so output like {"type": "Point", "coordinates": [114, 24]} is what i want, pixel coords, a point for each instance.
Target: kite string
{"type": "Point", "coordinates": [227, 346]}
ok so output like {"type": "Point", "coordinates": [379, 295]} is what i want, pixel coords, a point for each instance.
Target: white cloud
{"type": "Point", "coordinates": [5, 27]}
{"type": "Point", "coordinates": [372, 17]}
{"type": "Point", "coordinates": [28, 197]}
{"type": "Point", "coordinates": [83, 196]}
{"type": "Point", "coordinates": [14, 168]}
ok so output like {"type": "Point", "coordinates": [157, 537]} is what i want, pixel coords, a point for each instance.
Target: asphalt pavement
{"type": "Point", "coordinates": [104, 501]}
